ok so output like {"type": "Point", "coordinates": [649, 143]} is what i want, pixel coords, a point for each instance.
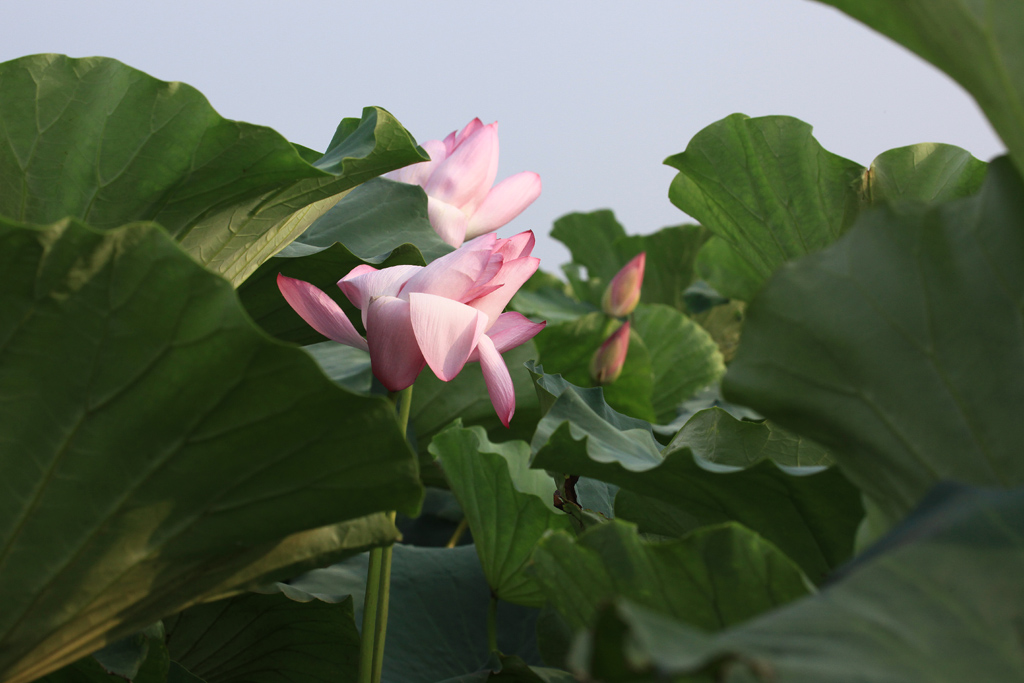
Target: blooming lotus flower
{"type": "Point", "coordinates": [623, 292]}
{"type": "Point", "coordinates": [443, 315]}
{"type": "Point", "coordinates": [461, 203]}
{"type": "Point", "coordinates": [606, 365]}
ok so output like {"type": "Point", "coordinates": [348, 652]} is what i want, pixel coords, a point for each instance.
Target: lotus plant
{"type": "Point", "coordinates": [623, 292]}
{"type": "Point", "coordinates": [444, 315]}
{"type": "Point", "coordinates": [461, 203]}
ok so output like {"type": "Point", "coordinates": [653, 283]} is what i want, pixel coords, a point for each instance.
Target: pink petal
{"type": "Point", "coordinates": [449, 142]}
{"type": "Point", "coordinates": [365, 282]}
{"type": "Point", "coordinates": [454, 274]}
{"type": "Point", "coordinates": [494, 264]}
{"type": "Point", "coordinates": [516, 246]}
{"type": "Point", "coordinates": [511, 277]}
{"type": "Point", "coordinates": [447, 332]}
{"type": "Point", "coordinates": [483, 242]}
{"type": "Point", "coordinates": [470, 128]}
{"type": "Point", "coordinates": [492, 172]}
{"type": "Point", "coordinates": [465, 175]}
{"type": "Point", "coordinates": [448, 221]}
{"type": "Point", "coordinates": [419, 174]}
{"type": "Point", "coordinates": [361, 269]}
{"type": "Point", "coordinates": [352, 292]}
{"type": "Point", "coordinates": [478, 292]}
{"type": "Point", "coordinates": [319, 310]}
{"type": "Point", "coordinates": [505, 201]}
{"type": "Point", "coordinates": [497, 379]}
{"type": "Point", "coordinates": [484, 284]}
{"type": "Point", "coordinates": [513, 329]}
{"type": "Point", "coordinates": [395, 356]}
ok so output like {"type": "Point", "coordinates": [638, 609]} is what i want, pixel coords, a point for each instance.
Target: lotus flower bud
{"type": "Point", "coordinates": [606, 365]}
{"type": "Point", "coordinates": [623, 292]}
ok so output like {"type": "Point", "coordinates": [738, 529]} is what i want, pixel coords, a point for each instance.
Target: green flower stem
{"type": "Point", "coordinates": [378, 585]}
{"type": "Point", "coordinates": [382, 610]}
{"type": "Point", "coordinates": [492, 624]}
{"type": "Point", "coordinates": [369, 633]}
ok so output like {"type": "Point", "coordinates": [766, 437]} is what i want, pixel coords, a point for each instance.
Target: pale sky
{"type": "Point", "coordinates": [592, 95]}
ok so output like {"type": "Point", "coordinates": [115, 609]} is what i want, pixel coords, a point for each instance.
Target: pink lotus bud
{"type": "Point", "coordinates": [606, 365]}
{"type": "Point", "coordinates": [623, 292]}
{"type": "Point", "coordinates": [458, 179]}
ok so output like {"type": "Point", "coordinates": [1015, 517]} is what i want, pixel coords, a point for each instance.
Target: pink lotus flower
{"type": "Point", "coordinates": [461, 203]}
{"type": "Point", "coordinates": [623, 292]}
{"type": "Point", "coordinates": [443, 315]}
{"type": "Point", "coordinates": [606, 365]}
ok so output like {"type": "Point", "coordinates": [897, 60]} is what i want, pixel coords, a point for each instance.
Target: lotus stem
{"type": "Point", "coordinates": [378, 584]}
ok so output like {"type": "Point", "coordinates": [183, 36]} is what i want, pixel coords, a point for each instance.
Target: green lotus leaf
{"type": "Point", "coordinates": [939, 600]}
{"type": "Point", "coordinates": [713, 578]}
{"type": "Point", "coordinates": [376, 218]}
{"type": "Point", "coordinates": [767, 188]}
{"type": "Point", "coordinates": [899, 347]}
{"type": "Point", "coordinates": [508, 506]}
{"type": "Point", "coordinates": [927, 172]}
{"type": "Point", "coordinates": [262, 638]}
{"type": "Point", "coordinates": [716, 436]}
{"type": "Point", "coordinates": [684, 357]}
{"type": "Point", "coordinates": [99, 141]}
{"type": "Point", "coordinates": [159, 449]}
{"type": "Point", "coordinates": [811, 514]}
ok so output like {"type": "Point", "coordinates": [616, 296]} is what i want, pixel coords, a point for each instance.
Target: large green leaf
{"type": "Point", "coordinates": [142, 657]}
{"type": "Point", "coordinates": [654, 516]}
{"type": "Point", "coordinates": [941, 600]}
{"type": "Point", "coordinates": [508, 506]}
{"type": "Point", "coordinates": [722, 267]}
{"type": "Point", "coordinates": [713, 578]}
{"type": "Point", "coordinates": [684, 357]}
{"type": "Point", "coordinates": [376, 218]}
{"type": "Point", "coordinates": [766, 187]}
{"type": "Point", "coordinates": [156, 444]}
{"type": "Point", "coordinates": [437, 624]}
{"type": "Point", "coordinates": [569, 347]}
{"type": "Point", "coordinates": [99, 141]}
{"type": "Point", "coordinates": [979, 44]}
{"type": "Point", "coordinates": [303, 551]}
{"type": "Point", "coordinates": [716, 436]}
{"type": "Point", "coordinates": [927, 172]}
{"type": "Point", "coordinates": [265, 638]}
{"type": "Point", "coordinates": [900, 347]}
{"type": "Point", "coordinates": [811, 514]}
